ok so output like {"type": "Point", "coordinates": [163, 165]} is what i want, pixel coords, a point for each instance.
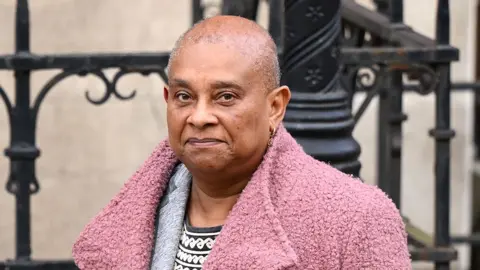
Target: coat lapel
{"type": "Point", "coordinates": [253, 236]}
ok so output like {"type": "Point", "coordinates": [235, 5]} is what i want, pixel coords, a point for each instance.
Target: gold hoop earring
{"type": "Point", "coordinates": [272, 134]}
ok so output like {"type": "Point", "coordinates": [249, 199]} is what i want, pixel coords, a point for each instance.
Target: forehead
{"type": "Point", "coordinates": [213, 61]}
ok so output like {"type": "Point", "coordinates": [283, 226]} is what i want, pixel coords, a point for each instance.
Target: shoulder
{"type": "Point", "coordinates": [322, 188]}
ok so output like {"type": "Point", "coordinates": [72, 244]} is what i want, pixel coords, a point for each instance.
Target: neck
{"type": "Point", "coordinates": [210, 202]}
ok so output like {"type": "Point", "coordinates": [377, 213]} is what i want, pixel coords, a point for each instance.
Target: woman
{"type": "Point", "coordinates": [230, 188]}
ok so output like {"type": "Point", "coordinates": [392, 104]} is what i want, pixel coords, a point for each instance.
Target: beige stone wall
{"type": "Point", "coordinates": [89, 151]}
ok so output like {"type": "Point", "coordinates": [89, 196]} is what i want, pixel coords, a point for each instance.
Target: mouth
{"type": "Point", "coordinates": [203, 142]}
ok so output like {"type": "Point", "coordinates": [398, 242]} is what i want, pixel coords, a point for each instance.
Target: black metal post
{"type": "Point", "coordinates": [197, 11]}
{"type": "Point", "coordinates": [276, 23]}
{"type": "Point", "coordinates": [22, 151]}
{"type": "Point", "coordinates": [443, 135]}
{"type": "Point", "coordinates": [382, 5]}
{"type": "Point", "coordinates": [396, 116]}
{"type": "Point", "coordinates": [319, 114]}
{"type": "Point", "coordinates": [390, 118]}
{"type": "Point", "coordinates": [384, 135]}
{"type": "Point", "coordinates": [244, 8]}
{"type": "Point", "coordinates": [475, 86]}
{"type": "Point", "coordinates": [476, 121]}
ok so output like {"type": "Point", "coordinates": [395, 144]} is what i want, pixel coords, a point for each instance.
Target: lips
{"type": "Point", "coordinates": [203, 141]}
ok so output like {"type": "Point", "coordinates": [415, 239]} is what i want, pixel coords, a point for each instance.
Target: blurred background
{"type": "Point", "coordinates": [88, 152]}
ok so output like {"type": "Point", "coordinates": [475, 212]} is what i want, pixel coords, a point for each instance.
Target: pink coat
{"type": "Point", "coordinates": [296, 213]}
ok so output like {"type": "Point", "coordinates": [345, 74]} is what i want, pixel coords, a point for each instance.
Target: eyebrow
{"type": "Point", "coordinates": [226, 84]}
{"type": "Point", "coordinates": [216, 84]}
{"type": "Point", "coordinates": [179, 82]}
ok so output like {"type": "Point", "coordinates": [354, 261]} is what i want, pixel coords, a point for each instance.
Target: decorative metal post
{"type": "Point", "coordinates": [391, 118]}
{"type": "Point", "coordinates": [442, 133]}
{"type": "Point", "coordinates": [22, 151]}
{"type": "Point", "coordinates": [197, 11]}
{"type": "Point", "coordinates": [319, 114]}
{"type": "Point", "coordinates": [244, 8]}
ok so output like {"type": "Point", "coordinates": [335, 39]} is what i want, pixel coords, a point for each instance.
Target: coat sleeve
{"type": "Point", "coordinates": [377, 237]}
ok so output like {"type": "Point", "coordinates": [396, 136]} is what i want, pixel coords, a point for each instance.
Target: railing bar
{"type": "Point", "coordinates": [396, 11]}
{"type": "Point", "coordinates": [396, 116]}
{"type": "Point", "coordinates": [442, 134]}
{"type": "Point", "coordinates": [473, 239]}
{"type": "Point", "coordinates": [197, 11]}
{"type": "Point", "coordinates": [379, 25]}
{"type": "Point", "coordinates": [22, 135]}
{"type": "Point", "coordinates": [276, 23]}
{"type": "Point", "coordinates": [466, 85]}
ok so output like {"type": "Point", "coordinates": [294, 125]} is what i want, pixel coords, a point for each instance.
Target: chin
{"type": "Point", "coordinates": [204, 163]}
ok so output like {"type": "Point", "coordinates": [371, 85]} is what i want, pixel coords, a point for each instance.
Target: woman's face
{"type": "Point", "coordinates": [218, 110]}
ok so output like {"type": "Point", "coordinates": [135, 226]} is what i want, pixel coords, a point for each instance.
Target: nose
{"type": "Point", "coordinates": [202, 116]}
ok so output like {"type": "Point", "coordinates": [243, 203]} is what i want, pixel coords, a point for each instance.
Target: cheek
{"type": "Point", "coordinates": [254, 118]}
{"type": "Point", "coordinates": [170, 119]}
{"type": "Point", "coordinates": [175, 124]}
{"type": "Point", "coordinates": [247, 129]}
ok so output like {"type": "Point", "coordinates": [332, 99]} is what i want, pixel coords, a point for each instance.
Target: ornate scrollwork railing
{"type": "Point", "coordinates": [111, 88]}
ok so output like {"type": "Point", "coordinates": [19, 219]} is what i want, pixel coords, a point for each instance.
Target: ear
{"type": "Point", "coordinates": [165, 93]}
{"type": "Point", "coordinates": [278, 100]}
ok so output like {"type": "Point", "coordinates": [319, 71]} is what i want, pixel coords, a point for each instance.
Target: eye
{"type": "Point", "coordinates": [183, 97]}
{"type": "Point", "coordinates": [226, 97]}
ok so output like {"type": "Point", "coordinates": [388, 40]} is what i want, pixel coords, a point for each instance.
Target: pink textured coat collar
{"type": "Point", "coordinates": [122, 235]}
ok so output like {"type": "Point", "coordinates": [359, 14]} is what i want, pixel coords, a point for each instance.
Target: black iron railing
{"type": "Point", "coordinates": [373, 51]}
